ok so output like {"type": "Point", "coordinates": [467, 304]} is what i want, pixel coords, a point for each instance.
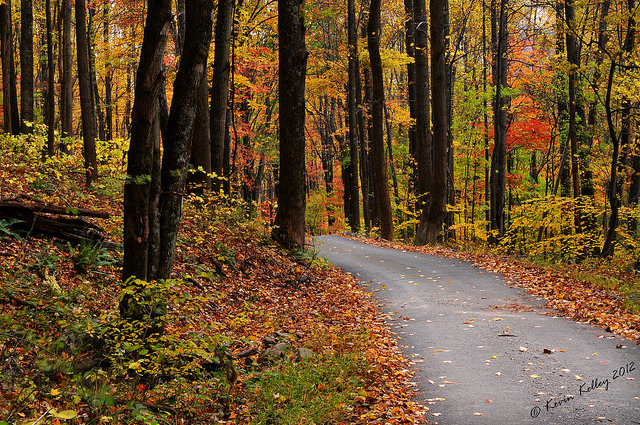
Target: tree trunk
{"type": "Point", "coordinates": [410, 24]}
{"type": "Point", "coordinates": [422, 129]}
{"type": "Point", "coordinates": [66, 87]}
{"type": "Point", "coordinates": [50, 98]}
{"type": "Point", "coordinates": [573, 56]}
{"type": "Point", "coordinates": [6, 46]}
{"type": "Point", "coordinates": [95, 94]}
{"type": "Point", "coordinates": [622, 143]}
{"type": "Point", "coordinates": [377, 135]}
{"type": "Point", "coordinates": [177, 145]}
{"type": "Point", "coordinates": [201, 140]}
{"type": "Point", "coordinates": [432, 218]}
{"type": "Point", "coordinates": [138, 185]}
{"type": "Point", "coordinates": [107, 79]}
{"type": "Point", "coordinates": [352, 34]}
{"type": "Point", "coordinates": [497, 179]}
{"type": "Point", "coordinates": [86, 104]}
{"type": "Point", "coordinates": [26, 66]}
{"type": "Point", "coordinates": [290, 218]}
{"type": "Point", "coordinates": [220, 90]}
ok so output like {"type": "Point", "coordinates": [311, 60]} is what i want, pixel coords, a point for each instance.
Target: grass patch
{"type": "Point", "coordinates": [319, 389]}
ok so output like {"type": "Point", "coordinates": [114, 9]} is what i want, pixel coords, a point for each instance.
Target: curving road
{"type": "Point", "coordinates": [488, 353]}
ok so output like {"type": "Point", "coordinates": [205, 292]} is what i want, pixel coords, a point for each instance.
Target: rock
{"type": "Point", "coordinates": [273, 354]}
{"type": "Point", "coordinates": [304, 353]}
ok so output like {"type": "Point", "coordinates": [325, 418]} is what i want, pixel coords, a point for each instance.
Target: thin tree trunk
{"type": "Point", "coordinates": [50, 99]}
{"type": "Point", "coordinates": [107, 78]}
{"type": "Point", "coordinates": [26, 66]}
{"type": "Point", "coordinates": [201, 140]}
{"type": "Point", "coordinates": [66, 87]}
{"type": "Point", "coordinates": [354, 205]}
{"type": "Point", "coordinates": [5, 45]}
{"type": "Point", "coordinates": [220, 90]}
{"type": "Point", "coordinates": [86, 105]}
{"type": "Point", "coordinates": [377, 137]}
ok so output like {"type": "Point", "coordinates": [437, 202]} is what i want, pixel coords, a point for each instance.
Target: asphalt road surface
{"type": "Point", "coordinates": [489, 353]}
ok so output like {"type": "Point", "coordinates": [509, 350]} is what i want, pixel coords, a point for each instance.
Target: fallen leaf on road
{"type": "Point", "coordinates": [523, 349]}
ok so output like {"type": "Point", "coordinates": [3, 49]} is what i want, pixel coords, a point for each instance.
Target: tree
{"type": "Point", "coordinates": [177, 144]}
{"type": "Point", "coordinates": [50, 115]}
{"type": "Point", "coordinates": [86, 98]}
{"type": "Point", "coordinates": [139, 209]}
{"type": "Point", "coordinates": [497, 180]}
{"type": "Point", "coordinates": [66, 86]}
{"type": "Point", "coordinates": [289, 230]}
{"type": "Point", "coordinates": [9, 92]}
{"type": "Point", "coordinates": [26, 65]}
{"type": "Point", "coordinates": [377, 136]}
{"type": "Point", "coordinates": [352, 34]}
{"type": "Point", "coordinates": [435, 210]}
{"type": "Point", "coordinates": [422, 115]}
{"type": "Point", "coordinates": [220, 90]}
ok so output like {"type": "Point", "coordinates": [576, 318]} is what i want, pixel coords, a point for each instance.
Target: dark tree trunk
{"type": "Point", "coordinates": [86, 104]}
{"type": "Point", "coordinates": [8, 83]}
{"type": "Point", "coordinates": [26, 65]}
{"type": "Point", "coordinates": [95, 94]}
{"type": "Point", "coordinates": [434, 214]}
{"type": "Point", "coordinates": [497, 179]}
{"type": "Point", "coordinates": [107, 80]}
{"type": "Point", "coordinates": [177, 145]}
{"type": "Point", "coordinates": [220, 90]}
{"type": "Point", "coordinates": [290, 218]}
{"type": "Point", "coordinates": [354, 204]}
{"type": "Point", "coordinates": [422, 129]}
{"type": "Point", "coordinates": [622, 142]}
{"type": "Point", "coordinates": [365, 164]}
{"type": "Point", "coordinates": [410, 24]}
{"type": "Point", "coordinates": [50, 98]}
{"type": "Point", "coordinates": [573, 56]}
{"type": "Point", "coordinates": [66, 86]}
{"type": "Point", "coordinates": [377, 135]}
{"type": "Point", "coordinates": [201, 140]}
{"type": "Point", "coordinates": [138, 186]}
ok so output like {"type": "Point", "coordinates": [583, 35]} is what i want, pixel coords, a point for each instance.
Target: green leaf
{"type": "Point", "coordinates": [65, 414]}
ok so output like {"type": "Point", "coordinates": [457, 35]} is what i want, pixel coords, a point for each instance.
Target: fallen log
{"type": "Point", "coordinates": [35, 218]}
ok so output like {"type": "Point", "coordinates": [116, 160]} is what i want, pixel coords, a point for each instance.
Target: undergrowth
{"type": "Point", "coordinates": [189, 352]}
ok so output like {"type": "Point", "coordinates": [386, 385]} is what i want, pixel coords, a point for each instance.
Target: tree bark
{"type": "Point", "coordinates": [432, 218]}
{"type": "Point", "coordinates": [50, 98]}
{"type": "Point", "coordinates": [377, 135]}
{"type": "Point", "coordinates": [201, 140]}
{"type": "Point", "coordinates": [220, 90]}
{"type": "Point", "coordinates": [138, 185]}
{"type": "Point", "coordinates": [26, 65]}
{"type": "Point", "coordinates": [6, 46]}
{"type": "Point", "coordinates": [352, 34]}
{"type": "Point", "coordinates": [497, 180]}
{"type": "Point", "coordinates": [86, 104]}
{"type": "Point", "coordinates": [290, 218]}
{"type": "Point", "coordinates": [422, 128]}
{"type": "Point", "coordinates": [66, 87]}
{"type": "Point", "coordinates": [177, 145]}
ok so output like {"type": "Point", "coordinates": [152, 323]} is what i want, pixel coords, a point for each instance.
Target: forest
{"type": "Point", "coordinates": [487, 126]}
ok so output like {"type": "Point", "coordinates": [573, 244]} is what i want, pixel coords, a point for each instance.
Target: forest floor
{"type": "Point", "coordinates": [252, 334]}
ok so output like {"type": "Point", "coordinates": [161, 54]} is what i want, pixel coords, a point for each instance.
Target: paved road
{"type": "Point", "coordinates": [445, 317]}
